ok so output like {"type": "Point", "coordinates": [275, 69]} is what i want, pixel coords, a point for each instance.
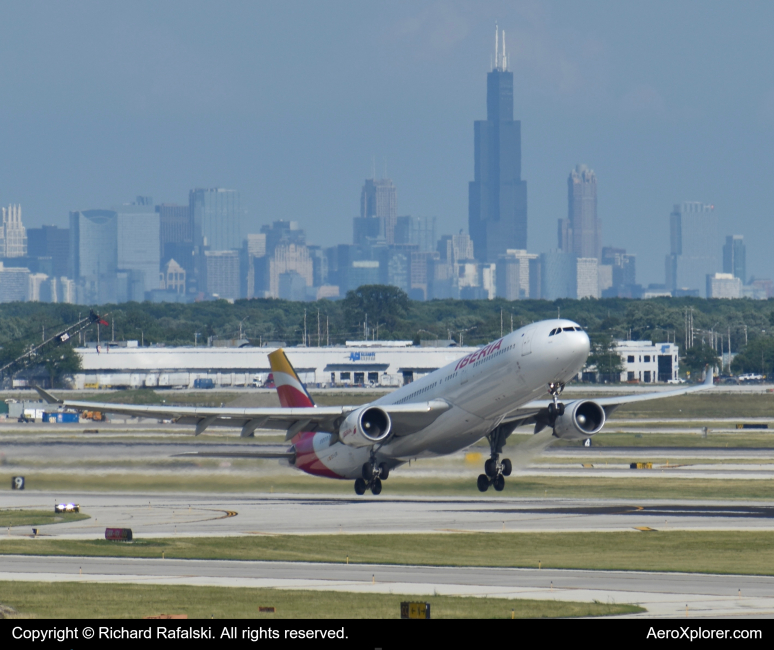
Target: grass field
{"type": "Point", "coordinates": [89, 600]}
{"type": "Point", "coordinates": [651, 484]}
{"type": "Point", "coordinates": [36, 517]}
{"type": "Point", "coordinates": [738, 552]}
{"type": "Point", "coordinates": [703, 405]}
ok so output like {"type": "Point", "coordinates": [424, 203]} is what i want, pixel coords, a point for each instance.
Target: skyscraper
{"type": "Point", "coordinates": [13, 235]}
{"type": "Point", "coordinates": [93, 254]}
{"type": "Point", "coordinates": [734, 257]}
{"type": "Point", "coordinates": [581, 233]}
{"type": "Point", "coordinates": [222, 273]}
{"type": "Point", "coordinates": [217, 218]}
{"type": "Point", "coordinates": [53, 242]}
{"type": "Point", "coordinates": [497, 198]}
{"type": "Point", "coordinates": [695, 247]}
{"type": "Point", "coordinates": [176, 226]}
{"type": "Point", "coordinates": [558, 275]}
{"type": "Point", "coordinates": [416, 231]}
{"type": "Point", "coordinates": [138, 246]}
{"type": "Point", "coordinates": [378, 212]}
{"type": "Point", "coordinates": [526, 264]}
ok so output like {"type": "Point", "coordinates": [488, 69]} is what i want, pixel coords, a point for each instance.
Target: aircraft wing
{"type": "Point", "coordinates": [537, 411]}
{"type": "Point", "coordinates": [407, 418]}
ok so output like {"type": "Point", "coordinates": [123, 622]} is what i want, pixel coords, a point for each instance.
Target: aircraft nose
{"type": "Point", "coordinates": [585, 344]}
{"type": "Point", "coordinates": [580, 345]}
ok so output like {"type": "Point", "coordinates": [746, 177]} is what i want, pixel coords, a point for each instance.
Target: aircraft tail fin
{"type": "Point", "coordinates": [292, 393]}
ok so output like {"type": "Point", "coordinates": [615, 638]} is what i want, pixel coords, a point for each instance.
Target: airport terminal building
{"type": "Point", "coordinates": [358, 363]}
{"type": "Point", "coordinates": [384, 363]}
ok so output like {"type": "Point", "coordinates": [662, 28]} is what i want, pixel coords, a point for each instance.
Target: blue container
{"type": "Point", "coordinates": [61, 417]}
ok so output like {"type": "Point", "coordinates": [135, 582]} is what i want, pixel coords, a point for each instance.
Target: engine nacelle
{"type": "Point", "coordinates": [365, 427]}
{"type": "Point", "coordinates": [581, 419]}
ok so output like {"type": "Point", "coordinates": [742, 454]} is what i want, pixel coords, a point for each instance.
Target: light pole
{"type": "Point", "coordinates": [240, 326]}
{"type": "Point", "coordinates": [427, 332]}
{"type": "Point", "coordinates": [461, 332]}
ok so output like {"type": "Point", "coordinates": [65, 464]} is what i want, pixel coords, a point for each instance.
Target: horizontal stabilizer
{"type": "Point", "coordinates": [47, 397]}
{"type": "Point", "coordinates": [253, 455]}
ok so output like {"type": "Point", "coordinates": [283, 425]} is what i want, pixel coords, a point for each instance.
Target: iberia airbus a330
{"type": "Point", "coordinates": [486, 394]}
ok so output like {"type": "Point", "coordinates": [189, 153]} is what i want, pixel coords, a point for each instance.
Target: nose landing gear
{"type": "Point", "coordinates": [557, 408]}
{"type": "Point", "coordinates": [373, 475]}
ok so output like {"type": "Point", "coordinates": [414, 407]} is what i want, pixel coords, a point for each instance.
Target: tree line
{"type": "Point", "coordinates": [702, 328]}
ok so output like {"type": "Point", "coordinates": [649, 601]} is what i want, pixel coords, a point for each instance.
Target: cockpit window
{"type": "Point", "coordinates": [578, 329]}
{"type": "Point", "coordinates": [553, 331]}
{"type": "Point", "coordinates": [569, 329]}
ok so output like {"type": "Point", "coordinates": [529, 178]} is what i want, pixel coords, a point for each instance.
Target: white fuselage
{"type": "Point", "coordinates": [482, 388]}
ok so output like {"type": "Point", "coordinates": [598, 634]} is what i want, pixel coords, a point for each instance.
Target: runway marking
{"type": "Point", "coordinates": [258, 532]}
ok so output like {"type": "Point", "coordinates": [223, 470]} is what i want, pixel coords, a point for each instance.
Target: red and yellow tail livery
{"type": "Point", "coordinates": [292, 393]}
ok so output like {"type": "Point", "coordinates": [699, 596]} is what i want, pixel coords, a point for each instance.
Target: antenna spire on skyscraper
{"type": "Point", "coordinates": [497, 47]}
{"type": "Point", "coordinates": [505, 60]}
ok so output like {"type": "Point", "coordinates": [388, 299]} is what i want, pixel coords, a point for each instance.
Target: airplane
{"type": "Point", "coordinates": [485, 394]}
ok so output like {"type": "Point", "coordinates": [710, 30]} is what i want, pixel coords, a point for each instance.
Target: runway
{"type": "Point", "coordinates": [99, 455]}
{"type": "Point", "coordinates": [662, 594]}
{"type": "Point", "coordinates": [164, 515]}
{"type": "Point", "coordinates": [168, 514]}
{"type": "Point", "coordinates": [153, 515]}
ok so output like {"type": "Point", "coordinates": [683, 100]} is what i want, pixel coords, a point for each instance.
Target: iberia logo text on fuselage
{"type": "Point", "coordinates": [480, 354]}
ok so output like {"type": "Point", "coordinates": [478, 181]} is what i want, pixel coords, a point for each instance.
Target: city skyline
{"type": "Point", "coordinates": [657, 129]}
{"type": "Point", "coordinates": [169, 252]}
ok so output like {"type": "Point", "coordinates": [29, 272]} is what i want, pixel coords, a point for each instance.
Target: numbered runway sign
{"type": "Point", "coordinates": [17, 483]}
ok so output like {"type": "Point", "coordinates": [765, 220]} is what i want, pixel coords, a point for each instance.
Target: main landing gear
{"type": "Point", "coordinates": [495, 470]}
{"type": "Point", "coordinates": [373, 475]}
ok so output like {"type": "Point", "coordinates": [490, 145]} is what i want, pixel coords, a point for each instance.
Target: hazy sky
{"type": "Point", "coordinates": [288, 102]}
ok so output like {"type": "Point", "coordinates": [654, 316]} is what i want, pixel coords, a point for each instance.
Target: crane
{"type": "Point", "coordinates": [28, 358]}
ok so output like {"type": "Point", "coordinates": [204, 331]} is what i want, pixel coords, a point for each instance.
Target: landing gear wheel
{"type": "Point", "coordinates": [507, 467]}
{"type": "Point", "coordinates": [384, 472]}
{"type": "Point", "coordinates": [555, 410]}
{"type": "Point", "coordinates": [360, 486]}
{"type": "Point", "coordinates": [367, 473]}
{"type": "Point", "coordinates": [376, 486]}
{"type": "Point", "coordinates": [490, 468]}
{"type": "Point", "coordinates": [499, 483]}
{"type": "Point", "coordinates": [482, 483]}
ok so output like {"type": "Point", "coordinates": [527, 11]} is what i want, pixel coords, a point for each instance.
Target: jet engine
{"type": "Point", "coordinates": [580, 420]}
{"type": "Point", "coordinates": [365, 426]}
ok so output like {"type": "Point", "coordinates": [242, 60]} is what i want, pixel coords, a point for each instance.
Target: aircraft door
{"type": "Point", "coordinates": [526, 342]}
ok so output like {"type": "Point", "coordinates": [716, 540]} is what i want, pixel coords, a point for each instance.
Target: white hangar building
{"type": "Point", "coordinates": [648, 362]}
{"type": "Point", "coordinates": [386, 363]}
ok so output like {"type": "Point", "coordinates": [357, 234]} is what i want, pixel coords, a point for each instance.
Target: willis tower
{"type": "Point", "coordinates": [497, 203]}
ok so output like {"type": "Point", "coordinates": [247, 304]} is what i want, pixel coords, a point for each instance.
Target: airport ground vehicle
{"type": "Point", "coordinates": [486, 394]}
{"type": "Point", "coordinates": [67, 507]}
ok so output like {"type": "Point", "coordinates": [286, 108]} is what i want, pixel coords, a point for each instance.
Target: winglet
{"type": "Point", "coordinates": [48, 397]}
{"type": "Point", "coordinates": [709, 380]}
